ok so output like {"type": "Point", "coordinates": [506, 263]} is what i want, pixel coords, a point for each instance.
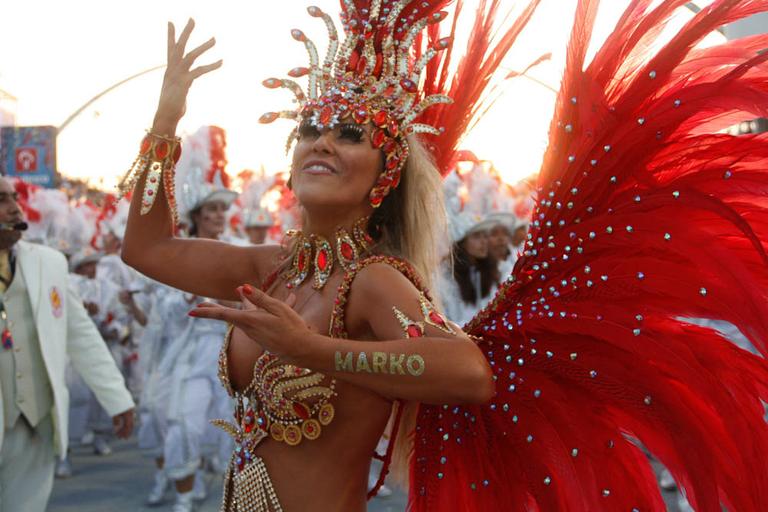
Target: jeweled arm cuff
{"type": "Point", "coordinates": [157, 157]}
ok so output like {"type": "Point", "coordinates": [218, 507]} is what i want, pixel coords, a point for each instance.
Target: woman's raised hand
{"type": "Point", "coordinates": [179, 75]}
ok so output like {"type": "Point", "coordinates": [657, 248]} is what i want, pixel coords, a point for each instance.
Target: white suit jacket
{"type": "Point", "coordinates": [66, 331]}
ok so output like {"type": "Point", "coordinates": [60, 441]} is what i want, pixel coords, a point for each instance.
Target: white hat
{"type": "Point", "coordinates": [465, 223]}
{"type": "Point", "coordinates": [506, 219]}
{"type": "Point", "coordinates": [83, 256]}
{"type": "Point", "coordinates": [199, 173]}
{"type": "Point", "coordinates": [257, 218]}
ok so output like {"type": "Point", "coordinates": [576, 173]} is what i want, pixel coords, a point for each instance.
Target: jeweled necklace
{"type": "Point", "coordinates": [314, 252]}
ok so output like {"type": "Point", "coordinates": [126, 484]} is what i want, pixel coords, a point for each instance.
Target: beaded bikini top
{"type": "Point", "coordinates": [282, 401]}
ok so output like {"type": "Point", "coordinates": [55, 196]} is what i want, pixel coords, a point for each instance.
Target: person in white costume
{"type": "Point", "coordinates": [469, 276]}
{"type": "Point", "coordinates": [187, 371]}
{"type": "Point", "coordinates": [256, 223]}
{"type": "Point", "coordinates": [502, 226]}
{"type": "Point", "coordinates": [44, 323]}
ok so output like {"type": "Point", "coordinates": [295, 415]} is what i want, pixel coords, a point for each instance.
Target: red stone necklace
{"type": "Point", "coordinates": [314, 252]}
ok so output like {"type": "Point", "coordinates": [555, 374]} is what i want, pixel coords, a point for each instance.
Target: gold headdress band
{"type": "Point", "coordinates": [373, 76]}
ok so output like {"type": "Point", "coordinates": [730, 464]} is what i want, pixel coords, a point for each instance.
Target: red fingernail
{"type": "Point", "coordinates": [192, 313]}
{"type": "Point", "coordinates": [247, 289]}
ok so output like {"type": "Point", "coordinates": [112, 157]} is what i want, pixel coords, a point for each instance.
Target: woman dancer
{"type": "Point", "coordinates": [574, 378]}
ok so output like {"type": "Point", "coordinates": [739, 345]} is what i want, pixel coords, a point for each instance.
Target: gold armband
{"type": "Point", "coordinates": [157, 157]}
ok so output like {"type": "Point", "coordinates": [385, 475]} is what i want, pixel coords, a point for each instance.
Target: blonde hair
{"type": "Point", "coordinates": [413, 223]}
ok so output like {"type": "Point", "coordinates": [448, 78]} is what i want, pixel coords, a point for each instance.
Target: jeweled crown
{"type": "Point", "coordinates": [373, 76]}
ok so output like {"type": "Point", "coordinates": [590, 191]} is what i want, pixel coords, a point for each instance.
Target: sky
{"type": "Point", "coordinates": [55, 56]}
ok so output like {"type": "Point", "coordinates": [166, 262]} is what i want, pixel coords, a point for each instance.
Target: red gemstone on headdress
{"type": "Point", "coordinates": [393, 128]}
{"type": "Point", "coordinates": [408, 84]}
{"type": "Point", "coordinates": [389, 91]}
{"type": "Point", "coordinates": [380, 118]}
{"type": "Point", "coordinates": [378, 138]}
{"type": "Point", "coordinates": [346, 251]}
{"type": "Point", "coordinates": [162, 149]}
{"type": "Point", "coordinates": [360, 115]}
{"type": "Point", "coordinates": [298, 35]}
{"type": "Point", "coordinates": [272, 83]}
{"type": "Point", "coordinates": [392, 163]}
{"type": "Point", "coordinates": [414, 331]}
{"type": "Point", "coordinates": [395, 179]}
{"type": "Point", "coordinates": [389, 146]}
{"type": "Point", "coordinates": [376, 199]}
{"type": "Point", "coordinates": [146, 145]}
{"type": "Point", "coordinates": [176, 153]}
{"type": "Point", "coordinates": [361, 63]}
{"type": "Point", "coordinates": [268, 117]}
{"type": "Point", "coordinates": [325, 114]}
{"type": "Point", "coordinates": [322, 260]}
{"type": "Point", "coordinates": [436, 318]}
{"type": "Point", "coordinates": [298, 72]}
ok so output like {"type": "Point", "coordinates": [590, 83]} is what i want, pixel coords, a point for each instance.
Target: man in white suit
{"type": "Point", "coordinates": [42, 324]}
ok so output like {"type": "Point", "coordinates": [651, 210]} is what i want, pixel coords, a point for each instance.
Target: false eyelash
{"type": "Point", "coordinates": [352, 131]}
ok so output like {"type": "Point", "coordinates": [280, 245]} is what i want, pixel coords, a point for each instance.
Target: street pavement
{"type": "Point", "coordinates": [120, 483]}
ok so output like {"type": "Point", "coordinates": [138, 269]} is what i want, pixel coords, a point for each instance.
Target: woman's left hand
{"type": "Point", "coordinates": [270, 322]}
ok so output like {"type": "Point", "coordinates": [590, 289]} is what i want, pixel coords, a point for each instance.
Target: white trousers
{"type": "Point", "coordinates": [26, 467]}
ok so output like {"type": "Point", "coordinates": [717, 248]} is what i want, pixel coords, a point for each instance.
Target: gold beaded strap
{"type": "Point", "coordinates": [157, 158]}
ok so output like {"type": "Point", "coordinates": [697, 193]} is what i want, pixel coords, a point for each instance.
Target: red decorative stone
{"type": "Point", "coordinates": [360, 115]}
{"type": "Point", "coordinates": [146, 145]}
{"type": "Point", "coordinates": [149, 192]}
{"type": "Point", "coordinates": [301, 410]}
{"type": "Point", "coordinates": [408, 85]}
{"type": "Point", "coordinates": [298, 72]}
{"type": "Point", "coordinates": [272, 83]}
{"type": "Point", "coordinates": [393, 128]}
{"type": "Point", "coordinates": [436, 318]}
{"type": "Point", "coordinates": [442, 44]}
{"type": "Point", "coordinates": [380, 118]}
{"type": "Point", "coordinates": [302, 263]}
{"type": "Point", "coordinates": [325, 114]}
{"type": "Point", "coordinates": [392, 163]}
{"type": "Point", "coordinates": [176, 153]}
{"type": "Point", "coordinates": [249, 421]}
{"type": "Point", "coordinates": [360, 68]}
{"type": "Point", "coordinates": [376, 199]}
{"type": "Point", "coordinates": [395, 179]}
{"type": "Point", "coordinates": [346, 251]}
{"type": "Point", "coordinates": [322, 260]}
{"type": "Point", "coordinates": [378, 138]}
{"type": "Point", "coordinates": [389, 147]}
{"type": "Point", "coordinates": [162, 149]}
{"type": "Point", "coordinates": [268, 117]}
{"type": "Point", "coordinates": [414, 331]}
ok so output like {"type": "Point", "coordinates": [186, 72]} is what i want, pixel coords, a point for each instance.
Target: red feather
{"type": "Point", "coordinates": [645, 216]}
